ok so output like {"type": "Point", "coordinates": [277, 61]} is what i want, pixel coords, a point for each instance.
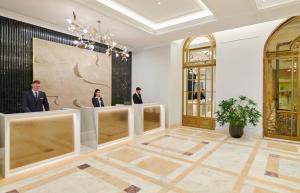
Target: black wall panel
{"type": "Point", "coordinates": [16, 59]}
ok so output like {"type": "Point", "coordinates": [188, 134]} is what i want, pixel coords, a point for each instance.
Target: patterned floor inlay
{"type": "Point", "coordinates": [13, 191]}
{"type": "Point", "coordinates": [182, 160]}
{"type": "Point", "coordinates": [84, 166]}
{"type": "Point", "coordinates": [132, 189]}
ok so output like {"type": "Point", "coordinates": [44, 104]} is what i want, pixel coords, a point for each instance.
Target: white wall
{"type": "Point", "coordinates": [239, 69]}
{"type": "Point", "coordinates": [240, 63]}
{"type": "Point", "coordinates": [150, 71]}
{"type": "Point", "coordinates": [158, 71]}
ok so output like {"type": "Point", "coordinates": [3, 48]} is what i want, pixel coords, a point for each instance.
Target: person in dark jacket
{"type": "Point", "coordinates": [97, 99]}
{"type": "Point", "coordinates": [137, 97]}
{"type": "Point", "coordinates": [35, 100]}
{"type": "Point", "coordinates": [202, 94]}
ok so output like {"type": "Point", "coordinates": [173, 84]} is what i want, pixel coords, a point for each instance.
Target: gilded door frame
{"type": "Point", "coordinates": [207, 123]}
{"type": "Point", "coordinates": [270, 56]}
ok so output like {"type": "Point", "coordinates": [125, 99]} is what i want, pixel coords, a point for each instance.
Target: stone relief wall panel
{"type": "Point", "coordinates": [70, 75]}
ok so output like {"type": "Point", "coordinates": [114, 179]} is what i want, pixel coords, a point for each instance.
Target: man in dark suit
{"type": "Point", "coordinates": [137, 97]}
{"type": "Point", "coordinates": [34, 100]}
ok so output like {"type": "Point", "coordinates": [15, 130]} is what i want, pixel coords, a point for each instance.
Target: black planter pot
{"type": "Point", "coordinates": [236, 131]}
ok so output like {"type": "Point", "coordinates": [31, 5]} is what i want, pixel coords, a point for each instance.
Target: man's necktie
{"type": "Point", "coordinates": [36, 95]}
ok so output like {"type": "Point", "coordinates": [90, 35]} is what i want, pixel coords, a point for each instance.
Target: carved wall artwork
{"type": "Point", "coordinates": [69, 75]}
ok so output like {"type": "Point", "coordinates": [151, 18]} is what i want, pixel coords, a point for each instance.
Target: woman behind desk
{"type": "Point", "coordinates": [97, 99]}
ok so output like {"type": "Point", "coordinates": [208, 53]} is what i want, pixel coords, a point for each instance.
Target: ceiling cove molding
{"type": "Point", "coordinates": [265, 4]}
{"type": "Point", "coordinates": [40, 23]}
{"type": "Point", "coordinates": [128, 16]}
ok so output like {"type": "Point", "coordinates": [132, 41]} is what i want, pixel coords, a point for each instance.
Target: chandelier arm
{"type": "Point", "coordinates": [87, 38]}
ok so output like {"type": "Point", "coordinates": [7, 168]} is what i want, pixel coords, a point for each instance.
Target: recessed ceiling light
{"type": "Point", "coordinates": [158, 3]}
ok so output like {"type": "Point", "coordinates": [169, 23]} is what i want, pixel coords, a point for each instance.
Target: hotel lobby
{"type": "Point", "coordinates": [149, 96]}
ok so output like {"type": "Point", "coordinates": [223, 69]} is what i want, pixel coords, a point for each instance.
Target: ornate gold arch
{"type": "Point", "coordinates": [270, 117]}
{"type": "Point", "coordinates": [188, 41]}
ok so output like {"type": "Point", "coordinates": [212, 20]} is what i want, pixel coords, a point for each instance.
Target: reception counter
{"type": "Point", "coordinates": [109, 125]}
{"type": "Point", "coordinates": [105, 125]}
{"type": "Point", "coordinates": [30, 140]}
{"type": "Point", "coordinates": [148, 117]}
{"type": "Point", "coordinates": [154, 117]}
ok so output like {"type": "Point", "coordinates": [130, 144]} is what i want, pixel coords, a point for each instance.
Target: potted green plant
{"type": "Point", "coordinates": [238, 113]}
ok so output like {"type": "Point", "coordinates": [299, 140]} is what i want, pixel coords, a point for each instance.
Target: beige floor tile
{"type": "Point", "coordinates": [282, 146]}
{"type": "Point", "coordinates": [185, 131]}
{"type": "Point", "coordinates": [257, 187]}
{"type": "Point", "coordinates": [289, 168]}
{"type": "Point", "coordinates": [159, 166]}
{"type": "Point", "coordinates": [207, 180]}
{"type": "Point", "coordinates": [79, 182]}
{"type": "Point", "coordinates": [126, 155]}
{"type": "Point", "coordinates": [243, 141]}
{"type": "Point", "coordinates": [230, 157]}
{"type": "Point", "coordinates": [175, 143]}
{"type": "Point", "coordinates": [211, 135]}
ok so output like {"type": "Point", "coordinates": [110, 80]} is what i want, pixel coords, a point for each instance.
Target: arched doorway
{"type": "Point", "coordinates": [281, 82]}
{"type": "Point", "coordinates": [199, 75]}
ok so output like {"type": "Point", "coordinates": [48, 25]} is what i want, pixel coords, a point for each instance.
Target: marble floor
{"type": "Point", "coordinates": [181, 160]}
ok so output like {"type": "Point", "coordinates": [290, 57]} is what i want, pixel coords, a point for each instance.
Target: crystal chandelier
{"type": "Point", "coordinates": [87, 38]}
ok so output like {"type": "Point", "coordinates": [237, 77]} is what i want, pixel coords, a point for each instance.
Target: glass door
{"type": "Point", "coordinates": [283, 112]}
{"type": "Point", "coordinates": [198, 84]}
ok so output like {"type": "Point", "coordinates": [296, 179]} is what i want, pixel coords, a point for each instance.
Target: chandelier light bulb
{"type": "Point", "coordinates": [85, 31]}
{"type": "Point", "coordinates": [108, 52]}
{"type": "Point", "coordinates": [69, 21]}
{"type": "Point", "coordinates": [117, 55]}
{"type": "Point", "coordinates": [114, 44]}
{"type": "Point", "coordinates": [92, 47]}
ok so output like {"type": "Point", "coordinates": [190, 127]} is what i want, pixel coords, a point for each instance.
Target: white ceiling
{"type": "Point", "coordinates": [144, 21]}
{"type": "Point", "coordinates": [263, 4]}
{"type": "Point", "coordinates": [227, 14]}
{"type": "Point", "coordinates": [161, 10]}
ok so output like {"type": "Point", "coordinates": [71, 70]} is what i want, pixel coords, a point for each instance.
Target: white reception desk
{"type": "Point", "coordinates": [105, 125]}
{"type": "Point", "coordinates": [109, 125]}
{"type": "Point", "coordinates": [31, 140]}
